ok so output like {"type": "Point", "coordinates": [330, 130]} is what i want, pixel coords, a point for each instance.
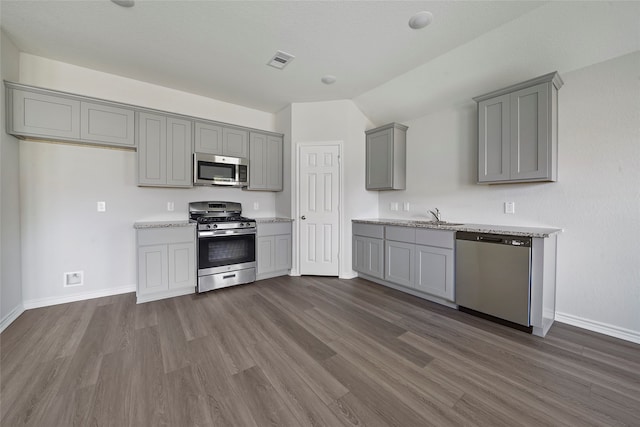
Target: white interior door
{"type": "Point", "coordinates": [319, 217]}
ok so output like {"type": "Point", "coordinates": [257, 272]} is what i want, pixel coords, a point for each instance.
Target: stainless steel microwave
{"type": "Point", "coordinates": [211, 169]}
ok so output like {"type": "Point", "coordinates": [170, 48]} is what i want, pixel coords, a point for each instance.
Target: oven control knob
{"type": "Point", "coordinates": [214, 226]}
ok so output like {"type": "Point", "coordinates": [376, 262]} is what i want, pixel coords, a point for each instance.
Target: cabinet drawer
{"type": "Point", "coordinates": [368, 230]}
{"type": "Point", "coordinates": [400, 234]}
{"type": "Point", "coordinates": [274, 228]}
{"type": "Point", "coordinates": [440, 238]}
{"type": "Point", "coordinates": [158, 236]}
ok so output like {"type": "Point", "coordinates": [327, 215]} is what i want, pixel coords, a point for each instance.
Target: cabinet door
{"type": "Point", "coordinates": [152, 269]}
{"type": "Point", "coordinates": [107, 124]}
{"type": "Point", "coordinates": [45, 116]}
{"type": "Point", "coordinates": [182, 266]}
{"type": "Point", "coordinates": [179, 164]}
{"type": "Point", "coordinates": [257, 161]}
{"type": "Point", "coordinates": [235, 142]}
{"type": "Point", "coordinates": [434, 271]}
{"type": "Point", "coordinates": [530, 135]}
{"type": "Point", "coordinates": [265, 256]}
{"type": "Point", "coordinates": [494, 137]}
{"type": "Point", "coordinates": [399, 263]}
{"type": "Point", "coordinates": [359, 254]}
{"type": "Point", "coordinates": [152, 149]}
{"type": "Point", "coordinates": [282, 259]}
{"type": "Point", "coordinates": [379, 160]}
{"type": "Point", "coordinates": [208, 138]}
{"type": "Point", "coordinates": [274, 163]}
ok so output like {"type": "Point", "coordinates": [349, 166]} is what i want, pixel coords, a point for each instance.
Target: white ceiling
{"type": "Point", "coordinates": [219, 49]}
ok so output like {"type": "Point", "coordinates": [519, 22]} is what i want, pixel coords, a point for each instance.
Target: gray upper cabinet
{"type": "Point", "coordinates": [235, 142]}
{"type": "Point", "coordinates": [518, 132]}
{"type": "Point", "coordinates": [42, 115]}
{"type": "Point", "coordinates": [107, 124]}
{"type": "Point", "coordinates": [208, 138]}
{"type": "Point", "coordinates": [386, 157]}
{"type": "Point", "coordinates": [214, 138]}
{"type": "Point", "coordinates": [164, 151]}
{"type": "Point", "coordinates": [265, 162]}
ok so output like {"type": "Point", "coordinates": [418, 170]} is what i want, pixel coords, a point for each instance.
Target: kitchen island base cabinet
{"type": "Point", "coordinates": [273, 250]}
{"type": "Point", "coordinates": [166, 262]}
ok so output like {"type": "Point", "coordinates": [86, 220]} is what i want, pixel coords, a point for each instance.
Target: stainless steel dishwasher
{"type": "Point", "coordinates": [493, 277]}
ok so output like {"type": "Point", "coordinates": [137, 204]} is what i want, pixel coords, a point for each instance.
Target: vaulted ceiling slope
{"type": "Point", "coordinates": [220, 49]}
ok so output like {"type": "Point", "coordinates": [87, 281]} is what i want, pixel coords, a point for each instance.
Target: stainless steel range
{"type": "Point", "coordinates": [226, 245]}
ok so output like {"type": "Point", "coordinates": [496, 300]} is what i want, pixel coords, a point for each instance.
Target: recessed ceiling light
{"type": "Point", "coordinates": [328, 79]}
{"type": "Point", "coordinates": [420, 20]}
{"type": "Point", "coordinates": [124, 3]}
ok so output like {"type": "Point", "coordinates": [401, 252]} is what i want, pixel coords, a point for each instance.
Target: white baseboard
{"type": "Point", "coordinates": [45, 302]}
{"type": "Point", "coordinates": [602, 328]}
{"type": "Point", "coordinates": [294, 273]}
{"type": "Point", "coordinates": [9, 318]}
{"type": "Point", "coordinates": [348, 275]}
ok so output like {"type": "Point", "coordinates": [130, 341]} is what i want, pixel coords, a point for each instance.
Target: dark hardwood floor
{"type": "Point", "coordinates": [305, 351]}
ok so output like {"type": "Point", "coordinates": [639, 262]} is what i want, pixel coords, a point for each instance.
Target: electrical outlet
{"type": "Point", "coordinates": [393, 206]}
{"type": "Point", "coordinates": [170, 206]}
{"type": "Point", "coordinates": [102, 206]}
{"type": "Point", "coordinates": [73, 278]}
{"type": "Point", "coordinates": [509, 207]}
{"type": "Point", "coordinates": [405, 206]}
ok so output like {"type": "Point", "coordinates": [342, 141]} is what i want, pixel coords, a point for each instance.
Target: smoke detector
{"type": "Point", "coordinates": [280, 60]}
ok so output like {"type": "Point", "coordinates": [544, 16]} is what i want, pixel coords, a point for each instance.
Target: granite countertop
{"type": "Point", "coordinates": [267, 220]}
{"type": "Point", "coordinates": [474, 228]}
{"type": "Point", "coordinates": [163, 224]}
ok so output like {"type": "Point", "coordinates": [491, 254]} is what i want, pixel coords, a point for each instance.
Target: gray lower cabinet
{"type": "Point", "coordinates": [265, 162]}
{"type": "Point", "coordinates": [164, 151]}
{"type": "Point", "coordinates": [273, 249]}
{"type": "Point", "coordinates": [386, 157]}
{"type": "Point", "coordinates": [166, 262]}
{"type": "Point", "coordinates": [518, 132]}
{"type": "Point", "coordinates": [42, 114]}
{"type": "Point", "coordinates": [399, 265]}
{"type": "Point", "coordinates": [368, 250]}
{"type": "Point", "coordinates": [418, 259]}
{"type": "Point", "coordinates": [215, 138]}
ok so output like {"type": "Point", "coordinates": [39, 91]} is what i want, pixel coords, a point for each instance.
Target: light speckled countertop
{"type": "Point", "coordinates": [474, 228]}
{"type": "Point", "coordinates": [163, 224]}
{"type": "Point", "coordinates": [266, 220]}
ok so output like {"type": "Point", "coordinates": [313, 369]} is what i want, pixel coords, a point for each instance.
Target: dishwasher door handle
{"type": "Point", "coordinates": [489, 239]}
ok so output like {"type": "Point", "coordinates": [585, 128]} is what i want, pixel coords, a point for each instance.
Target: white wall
{"type": "Point", "coordinates": [60, 185]}
{"type": "Point", "coordinates": [596, 199]}
{"type": "Point", "coordinates": [10, 278]}
{"type": "Point", "coordinates": [337, 121]}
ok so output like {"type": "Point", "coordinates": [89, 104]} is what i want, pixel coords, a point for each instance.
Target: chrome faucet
{"type": "Point", "coordinates": [436, 214]}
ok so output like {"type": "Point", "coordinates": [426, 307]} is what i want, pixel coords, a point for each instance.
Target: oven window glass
{"type": "Point", "coordinates": [226, 250]}
{"type": "Point", "coordinates": [211, 171]}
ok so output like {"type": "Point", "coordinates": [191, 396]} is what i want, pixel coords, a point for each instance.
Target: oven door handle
{"type": "Point", "coordinates": [217, 233]}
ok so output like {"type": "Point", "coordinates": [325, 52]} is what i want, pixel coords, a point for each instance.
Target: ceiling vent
{"type": "Point", "coordinates": [280, 60]}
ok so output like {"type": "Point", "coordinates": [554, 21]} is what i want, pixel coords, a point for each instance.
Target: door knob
{"type": "Point", "coordinates": [303, 217]}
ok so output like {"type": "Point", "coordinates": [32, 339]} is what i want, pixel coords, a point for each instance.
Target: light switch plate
{"type": "Point", "coordinates": [170, 206]}
{"type": "Point", "coordinates": [393, 206]}
{"type": "Point", "coordinates": [102, 206]}
{"type": "Point", "coordinates": [405, 206]}
{"type": "Point", "coordinates": [256, 206]}
{"type": "Point", "coordinates": [509, 207]}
